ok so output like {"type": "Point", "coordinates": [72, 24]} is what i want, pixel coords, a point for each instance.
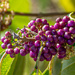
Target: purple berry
{"type": "Point", "coordinates": [16, 50]}
{"type": "Point", "coordinates": [65, 29]}
{"type": "Point", "coordinates": [31, 43]}
{"type": "Point", "coordinates": [56, 26]}
{"type": "Point", "coordinates": [52, 50]}
{"type": "Point", "coordinates": [70, 41]}
{"type": "Point", "coordinates": [34, 59]}
{"type": "Point", "coordinates": [44, 21]}
{"type": "Point", "coordinates": [48, 59]}
{"type": "Point", "coordinates": [66, 19]}
{"type": "Point", "coordinates": [9, 46]}
{"type": "Point", "coordinates": [6, 51]}
{"type": "Point", "coordinates": [6, 41]}
{"type": "Point", "coordinates": [48, 43]}
{"type": "Point", "coordinates": [3, 45]}
{"type": "Point", "coordinates": [67, 35]}
{"type": "Point", "coordinates": [38, 20]}
{"type": "Point", "coordinates": [50, 38]}
{"type": "Point", "coordinates": [26, 47]}
{"type": "Point", "coordinates": [37, 43]}
{"type": "Point", "coordinates": [52, 28]}
{"type": "Point", "coordinates": [2, 39]}
{"type": "Point", "coordinates": [41, 32]}
{"type": "Point", "coordinates": [62, 24]}
{"type": "Point", "coordinates": [45, 49]}
{"type": "Point", "coordinates": [61, 51]}
{"type": "Point", "coordinates": [54, 32]}
{"type": "Point", "coordinates": [43, 38]}
{"type": "Point", "coordinates": [55, 38]}
{"type": "Point", "coordinates": [45, 27]}
{"type": "Point", "coordinates": [10, 51]}
{"type": "Point", "coordinates": [22, 52]}
{"type": "Point", "coordinates": [34, 49]}
{"type": "Point", "coordinates": [12, 55]}
{"type": "Point", "coordinates": [61, 39]}
{"type": "Point", "coordinates": [46, 55]}
{"type": "Point", "coordinates": [58, 20]}
{"type": "Point", "coordinates": [7, 33]}
{"type": "Point", "coordinates": [72, 30]}
{"type": "Point", "coordinates": [32, 54]}
{"type": "Point", "coordinates": [48, 32]}
{"type": "Point", "coordinates": [37, 37]}
{"type": "Point", "coordinates": [60, 32]}
{"type": "Point", "coordinates": [61, 56]}
{"type": "Point", "coordinates": [33, 28]}
{"type": "Point", "coordinates": [58, 45]}
{"type": "Point", "coordinates": [71, 23]}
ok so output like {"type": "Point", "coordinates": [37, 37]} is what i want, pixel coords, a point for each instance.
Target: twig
{"type": "Point", "coordinates": [39, 14]}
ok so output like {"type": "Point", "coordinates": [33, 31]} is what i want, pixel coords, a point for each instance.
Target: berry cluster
{"type": "Point", "coordinates": [55, 39]}
{"type": "Point", "coordinates": [5, 20]}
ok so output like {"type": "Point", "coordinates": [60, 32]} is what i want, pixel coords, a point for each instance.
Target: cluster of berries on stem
{"type": "Point", "coordinates": [55, 39]}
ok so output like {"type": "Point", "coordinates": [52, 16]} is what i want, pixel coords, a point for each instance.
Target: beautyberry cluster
{"type": "Point", "coordinates": [55, 39]}
{"type": "Point", "coordinates": [5, 20]}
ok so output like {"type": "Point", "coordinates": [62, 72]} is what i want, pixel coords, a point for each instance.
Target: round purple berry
{"type": "Point", "coordinates": [52, 50]}
{"type": "Point", "coordinates": [58, 20]}
{"type": "Point", "coordinates": [2, 39]}
{"type": "Point", "coordinates": [3, 46]}
{"type": "Point", "coordinates": [10, 51]}
{"type": "Point", "coordinates": [45, 27]}
{"type": "Point", "coordinates": [37, 43]}
{"type": "Point", "coordinates": [16, 50]}
{"type": "Point", "coordinates": [71, 23]}
{"type": "Point", "coordinates": [37, 37]}
{"type": "Point", "coordinates": [6, 41]}
{"type": "Point", "coordinates": [32, 54]}
{"type": "Point", "coordinates": [66, 19]}
{"type": "Point", "coordinates": [22, 52]}
{"type": "Point", "coordinates": [9, 46]}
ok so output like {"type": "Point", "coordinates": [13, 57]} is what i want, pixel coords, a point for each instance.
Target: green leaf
{"type": "Point", "coordinates": [68, 67]}
{"type": "Point", "coordinates": [46, 72]}
{"type": "Point", "coordinates": [1, 50]}
{"type": "Point", "coordinates": [57, 66]}
{"type": "Point", "coordinates": [12, 67]}
{"type": "Point", "coordinates": [19, 66]}
{"type": "Point", "coordinates": [6, 64]}
{"type": "Point", "coordinates": [1, 54]}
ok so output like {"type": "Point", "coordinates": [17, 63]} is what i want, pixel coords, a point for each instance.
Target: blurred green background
{"type": "Point", "coordinates": [24, 65]}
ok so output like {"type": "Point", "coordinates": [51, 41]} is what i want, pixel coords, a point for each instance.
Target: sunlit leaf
{"type": "Point", "coordinates": [12, 67]}
{"type": "Point", "coordinates": [6, 64]}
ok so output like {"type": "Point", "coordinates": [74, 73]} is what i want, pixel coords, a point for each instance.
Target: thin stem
{"type": "Point", "coordinates": [70, 15]}
{"type": "Point", "coordinates": [40, 14]}
{"type": "Point", "coordinates": [3, 57]}
{"type": "Point", "coordinates": [38, 58]}
{"type": "Point", "coordinates": [1, 61]}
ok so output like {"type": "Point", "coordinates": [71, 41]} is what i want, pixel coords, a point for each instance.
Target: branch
{"type": "Point", "coordinates": [40, 14]}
